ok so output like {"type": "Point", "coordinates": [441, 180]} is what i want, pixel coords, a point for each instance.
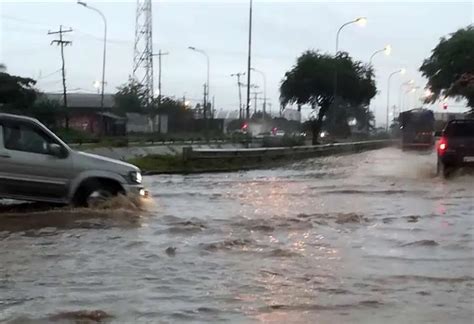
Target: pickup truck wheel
{"type": "Point", "coordinates": [444, 170]}
{"type": "Point", "coordinates": [95, 193]}
{"type": "Point", "coordinates": [97, 197]}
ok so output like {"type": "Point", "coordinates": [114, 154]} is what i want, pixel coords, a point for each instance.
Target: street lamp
{"type": "Point", "coordinates": [400, 94]}
{"type": "Point", "coordinates": [361, 21]}
{"type": "Point", "coordinates": [206, 93]}
{"type": "Point", "coordinates": [387, 50]}
{"type": "Point", "coordinates": [249, 60]}
{"type": "Point", "coordinates": [427, 95]}
{"type": "Point", "coordinates": [85, 5]}
{"type": "Point", "coordinates": [401, 71]}
{"type": "Point", "coordinates": [416, 96]}
{"type": "Point", "coordinates": [97, 86]}
{"type": "Point", "coordinates": [264, 89]}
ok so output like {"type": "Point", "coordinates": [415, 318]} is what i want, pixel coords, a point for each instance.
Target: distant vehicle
{"type": "Point", "coordinates": [263, 135]}
{"type": "Point", "coordinates": [35, 165]}
{"type": "Point", "coordinates": [279, 133]}
{"type": "Point", "coordinates": [456, 146]}
{"type": "Point", "coordinates": [417, 129]}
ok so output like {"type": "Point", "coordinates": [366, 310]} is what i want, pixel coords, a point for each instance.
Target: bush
{"type": "Point", "coordinates": [76, 136]}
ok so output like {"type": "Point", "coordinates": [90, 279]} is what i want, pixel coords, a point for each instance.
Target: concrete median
{"type": "Point", "coordinates": [190, 153]}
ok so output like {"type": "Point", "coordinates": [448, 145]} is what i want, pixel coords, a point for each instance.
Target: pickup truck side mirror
{"type": "Point", "coordinates": [56, 150]}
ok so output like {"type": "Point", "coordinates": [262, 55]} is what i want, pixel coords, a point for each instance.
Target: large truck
{"type": "Point", "coordinates": [417, 127]}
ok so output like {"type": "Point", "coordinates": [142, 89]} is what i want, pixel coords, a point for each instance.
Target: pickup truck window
{"type": "Point", "coordinates": [465, 129]}
{"type": "Point", "coordinates": [23, 137]}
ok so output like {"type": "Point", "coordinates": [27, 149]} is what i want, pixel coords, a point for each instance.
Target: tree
{"type": "Point", "coordinates": [17, 94]}
{"type": "Point", "coordinates": [47, 111]}
{"type": "Point", "coordinates": [173, 109]}
{"type": "Point", "coordinates": [259, 116]}
{"type": "Point", "coordinates": [450, 68]}
{"type": "Point", "coordinates": [312, 79]}
{"type": "Point", "coordinates": [339, 118]}
{"type": "Point", "coordinates": [130, 98]}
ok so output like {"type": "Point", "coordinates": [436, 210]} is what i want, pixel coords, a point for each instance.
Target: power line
{"type": "Point", "coordinates": [22, 20]}
{"type": "Point", "coordinates": [51, 82]}
{"type": "Point", "coordinates": [47, 75]}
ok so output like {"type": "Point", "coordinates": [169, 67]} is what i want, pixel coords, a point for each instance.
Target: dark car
{"type": "Point", "coordinates": [456, 146]}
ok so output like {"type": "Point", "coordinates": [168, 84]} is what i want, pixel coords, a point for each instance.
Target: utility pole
{"type": "Point", "coordinates": [205, 102]}
{"type": "Point", "coordinates": [238, 75]}
{"type": "Point", "coordinates": [251, 86]}
{"type": "Point", "coordinates": [160, 54]}
{"type": "Point", "coordinates": [60, 42]}
{"type": "Point", "coordinates": [255, 93]}
{"type": "Point", "coordinates": [213, 108]}
{"type": "Point", "coordinates": [264, 105]}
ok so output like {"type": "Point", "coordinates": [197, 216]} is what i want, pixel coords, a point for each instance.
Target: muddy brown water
{"type": "Point", "coordinates": [365, 238]}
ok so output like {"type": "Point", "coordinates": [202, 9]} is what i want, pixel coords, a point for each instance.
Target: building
{"type": "Point", "coordinates": [140, 123]}
{"type": "Point", "coordinates": [86, 114]}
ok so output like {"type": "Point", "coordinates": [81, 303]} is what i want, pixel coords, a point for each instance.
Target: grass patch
{"type": "Point", "coordinates": [176, 164]}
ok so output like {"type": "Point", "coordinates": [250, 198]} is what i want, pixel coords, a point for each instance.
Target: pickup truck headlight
{"type": "Point", "coordinates": [136, 177]}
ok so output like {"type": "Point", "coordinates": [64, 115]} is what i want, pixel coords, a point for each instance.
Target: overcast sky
{"type": "Point", "coordinates": [282, 31]}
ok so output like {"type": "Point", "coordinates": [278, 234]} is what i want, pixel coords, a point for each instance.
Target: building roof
{"type": "Point", "coordinates": [83, 100]}
{"type": "Point", "coordinates": [112, 116]}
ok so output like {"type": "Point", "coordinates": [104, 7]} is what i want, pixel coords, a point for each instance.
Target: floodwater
{"type": "Point", "coordinates": [373, 237]}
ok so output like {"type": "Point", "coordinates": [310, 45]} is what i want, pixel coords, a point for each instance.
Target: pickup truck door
{"type": "Point", "coordinates": [27, 170]}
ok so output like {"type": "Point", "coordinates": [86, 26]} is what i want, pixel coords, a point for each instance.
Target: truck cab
{"type": "Point", "coordinates": [417, 129]}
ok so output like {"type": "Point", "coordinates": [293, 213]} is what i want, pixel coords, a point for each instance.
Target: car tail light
{"type": "Point", "coordinates": [442, 146]}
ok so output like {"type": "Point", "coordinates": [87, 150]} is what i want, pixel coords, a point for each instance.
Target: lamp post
{"type": "Point", "coordinates": [206, 93]}
{"type": "Point", "coordinates": [264, 89]}
{"type": "Point", "coordinates": [387, 50]}
{"type": "Point", "coordinates": [249, 60]}
{"type": "Point", "coordinates": [362, 21]}
{"type": "Point", "coordinates": [401, 71]}
{"type": "Point", "coordinates": [85, 5]}
{"type": "Point", "coordinates": [416, 96]}
{"type": "Point", "coordinates": [400, 94]}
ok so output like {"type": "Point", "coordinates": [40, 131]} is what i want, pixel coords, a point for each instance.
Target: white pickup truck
{"type": "Point", "coordinates": [36, 165]}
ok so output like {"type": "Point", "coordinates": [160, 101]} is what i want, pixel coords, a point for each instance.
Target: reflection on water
{"type": "Point", "coordinates": [363, 238]}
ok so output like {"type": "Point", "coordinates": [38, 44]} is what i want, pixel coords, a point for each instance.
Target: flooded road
{"type": "Point", "coordinates": [366, 238]}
